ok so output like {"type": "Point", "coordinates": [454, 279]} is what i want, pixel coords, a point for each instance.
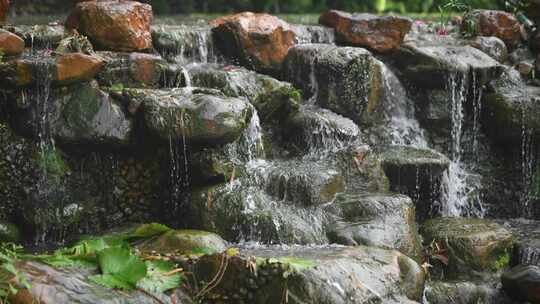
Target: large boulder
{"type": "Point", "coordinates": [114, 25]}
{"type": "Point", "coordinates": [258, 41]}
{"type": "Point", "coordinates": [78, 114]}
{"type": "Point", "coordinates": [345, 80]}
{"type": "Point", "coordinates": [509, 106]}
{"type": "Point", "coordinates": [435, 66]}
{"type": "Point", "coordinates": [415, 172]}
{"type": "Point", "coordinates": [377, 33]}
{"type": "Point", "coordinates": [315, 130]}
{"type": "Point", "coordinates": [274, 100]}
{"type": "Point", "coordinates": [76, 67]}
{"type": "Point", "coordinates": [71, 285]}
{"type": "Point", "coordinates": [202, 116]}
{"type": "Point", "coordinates": [333, 275]}
{"type": "Point", "coordinates": [4, 7]}
{"type": "Point", "coordinates": [10, 44]}
{"type": "Point", "coordinates": [374, 220]}
{"type": "Point", "coordinates": [240, 212]}
{"type": "Point", "coordinates": [523, 283]}
{"type": "Point", "coordinates": [499, 24]}
{"type": "Point", "coordinates": [470, 245]}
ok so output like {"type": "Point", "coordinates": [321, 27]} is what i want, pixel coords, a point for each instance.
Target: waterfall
{"type": "Point", "coordinates": [249, 147]}
{"type": "Point", "coordinates": [527, 165]}
{"type": "Point", "coordinates": [458, 192]}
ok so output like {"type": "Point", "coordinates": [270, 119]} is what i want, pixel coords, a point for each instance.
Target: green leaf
{"type": "Point", "coordinates": [150, 230]}
{"type": "Point", "coordinates": [157, 280]}
{"type": "Point", "coordinates": [122, 265]}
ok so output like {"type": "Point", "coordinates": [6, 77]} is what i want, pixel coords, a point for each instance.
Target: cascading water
{"type": "Point", "coordinates": [458, 193]}
{"type": "Point", "coordinates": [527, 165]}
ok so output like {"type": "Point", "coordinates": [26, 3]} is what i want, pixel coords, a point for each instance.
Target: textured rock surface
{"type": "Point", "coordinates": [377, 33]}
{"type": "Point", "coordinates": [114, 25]}
{"type": "Point", "coordinates": [499, 24]}
{"type": "Point", "coordinates": [492, 46]}
{"type": "Point", "coordinates": [258, 41]}
{"type": "Point", "coordinates": [10, 44]}
{"type": "Point", "coordinates": [523, 283]}
{"type": "Point", "coordinates": [186, 242]}
{"type": "Point", "coordinates": [4, 7]}
{"type": "Point", "coordinates": [472, 245]}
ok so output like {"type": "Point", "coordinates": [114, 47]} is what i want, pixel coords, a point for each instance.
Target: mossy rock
{"type": "Point", "coordinates": [187, 242]}
{"type": "Point", "coordinates": [472, 245]}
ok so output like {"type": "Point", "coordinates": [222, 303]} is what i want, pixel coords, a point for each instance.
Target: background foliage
{"type": "Point", "coordinates": [273, 6]}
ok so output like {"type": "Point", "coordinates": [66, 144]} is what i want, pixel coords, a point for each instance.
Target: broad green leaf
{"type": "Point", "coordinates": [157, 280]}
{"type": "Point", "coordinates": [122, 264]}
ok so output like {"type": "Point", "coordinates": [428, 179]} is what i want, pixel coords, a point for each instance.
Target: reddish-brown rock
{"type": "Point", "coordinates": [498, 24]}
{"type": "Point", "coordinates": [377, 33]}
{"type": "Point", "coordinates": [4, 7]}
{"type": "Point", "coordinates": [116, 25]}
{"type": "Point", "coordinates": [258, 41]}
{"type": "Point", "coordinates": [10, 44]}
{"type": "Point", "coordinates": [145, 68]}
{"type": "Point", "coordinates": [73, 67]}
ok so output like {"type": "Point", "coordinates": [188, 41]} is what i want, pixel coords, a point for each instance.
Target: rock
{"type": "Point", "coordinates": [471, 245]}
{"type": "Point", "coordinates": [415, 172]}
{"type": "Point", "coordinates": [258, 41]}
{"type": "Point", "coordinates": [345, 80]}
{"type": "Point", "coordinates": [523, 283]}
{"type": "Point", "coordinates": [535, 42]}
{"type": "Point", "coordinates": [114, 25]}
{"type": "Point", "coordinates": [203, 116]}
{"type": "Point", "coordinates": [240, 212]}
{"type": "Point", "coordinates": [186, 242]}
{"type": "Point", "coordinates": [527, 245]}
{"type": "Point", "coordinates": [180, 42]}
{"type": "Point", "coordinates": [4, 7]}
{"type": "Point", "coordinates": [10, 44]}
{"type": "Point", "coordinates": [132, 70]}
{"type": "Point", "coordinates": [469, 292]}
{"type": "Point", "coordinates": [39, 36]}
{"type": "Point", "coordinates": [492, 46]}
{"type": "Point", "coordinates": [274, 100]}
{"type": "Point", "coordinates": [312, 274]}
{"type": "Point", "coordinates": [533, 10]}
{"type": "Point", "coordinates": [59, 70]}
{"type": "Point", "coordinates": [377, 33]}
{"type": "Point", "coordinates": [9, 232]}
{"type": "Point", "coordinates": [303, 183]}
{"type": "Point", "coordinates": [316, 130]}
{"type": "Point", "coordinates": [386, 221]}
{"type": "Point", "coordinates": [76, 67]}
{"type": "Point", "coordinates": [80, 114]}
{"type": "Point", "coordinates": [314, 34]}
{"type": "Point", "coordinates": [509, 106]}
{"type": "Point", "coordinates": [71, 285]}
{"type": "Point", "coordinates": [499, 24]}
{"type": "Point", "coordinates": [433, 67]}
{"type": "Point", "coordinates": [522, 53]}
{"type": "Point", "coordinates": [212, 165]}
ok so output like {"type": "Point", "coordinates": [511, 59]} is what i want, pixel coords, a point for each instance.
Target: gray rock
{"type": "Point", "coordinates": [466, 292]}
{"type": "Point", "coordinates": [203, 116]}
{"type": "Point", "coordinates": [492, 46]}
{"type": "Point", "coordinates": [273, 99]}
{"type": "Point", "coordinates": [316, 130]}
{"type": "Point", "coordinates": [333, 275]}
{"type": "Point", "coordinates": [186, 242]}
{"type": "Point", "coordinates": [431, 67]}
{"type": "Point", "coordinates": [523, 283]}
{"type": "Point", "coordinates": [471, 245]}
{"type": "Point", "coordinates": [345, 80]}
{"type": "Point", "coordinates": [386, 221]}
{"type": "Point", "coordinates": [40, 36]}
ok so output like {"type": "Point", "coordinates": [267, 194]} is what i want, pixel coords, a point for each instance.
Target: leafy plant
{"type": "Point", "coordinates": [120, 268]}
{"type": "Point", "coordinates": [10, 277]}
{"type": "Point", "coordinates": [161, 276]}
{"type": "Point", "coordinates": [117, 87]}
